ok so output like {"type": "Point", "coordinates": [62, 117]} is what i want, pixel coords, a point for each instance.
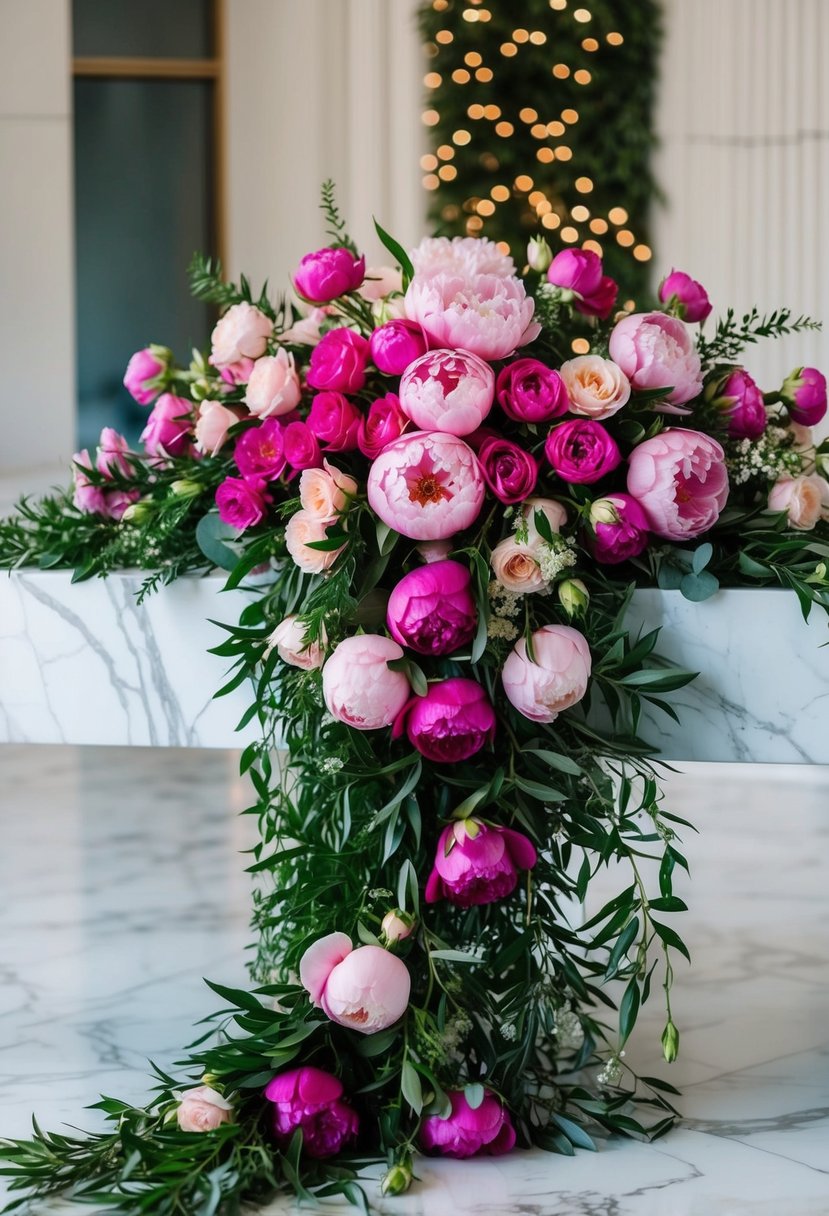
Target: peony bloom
{"type": "Point", "coordinates": [338, 362]}
{"type": "Point", "coordinates": [452, 722]}
{"type": "Point", "coordinates": [478, 863]}
{"type": "Point", "coordinates": [582, 451]}
{"type": "Point", "coordinates": [557, 678]}
{"type": "Point", "coordinates": [335, 421]}
{"type": "Point", "coordinates": [426, 486]}
{"type": "Point", "coordinates": [395, 345]}
{"type": "Point", "coordinates": [358, 685]}
{"type": "Point", "coordinates": [303, 530]}
{"type": "Point", "coordinates": [469, 1133]}
{"type": "Point", "coordinates": [805, 500]}
{"type": "Point", "coordinates": [302, 449]}
{"type": "Point", "coordinates": [620, 529]}
{"type": "Point", "coordinates": [432, 610]}
{"type": "Point", "coordinates": [515, 566]}
{"type": "Point", "coordinates": [447, 391]}
{"type": "Point", "coordinates": [510, 472]}
{"type": "Point", "coordinates": [680, 480]}
{"type": "Point", "coordinates": [242, 333]}
{"type": "Point", "coordinates": [273, 386]}
{"type": "Point", "coordinates": [212, 425]}
{"type": "Point", "coordinates": [325, 493]}
{"type": "Point", "coordinates": [466, 256]}
{"type": "Point", "coordinates": [310, 1099]}
{"type": "Point", "coordinates": [169, 429]}
{"type": "Point", "coordinates": [741, 401]}
{"type": "Point", "coordinates": [804, 392]}
{"type": "Point", "coordinates": [580, 271]}
{"type": "Point", "coordinates": [655, 351]}
{"type": "Point", "coordinates": [684, 296]}
{"type": "Point", "coordinates": [242, 503]}
{"type": "Point", "coordinates": [596, 387]}
{"type": "Point", "coordinates": [529, 391]}
{"type": "Point", "coordinates": [366, 989]}
{"type": "Point", "coordinates": [328, 273]}
{"type": "Point", "coordinates": [289, 641]}
{"type": "Point", "coordinates": [384, 423]}
{"type": "Point", "coordinates": [88, 498]}
{"type": "Point", "coordinates": [145, 374]}
{"type": "Point", "coordinates": [259, 452]}
{"type": "Point", "coordinates": [203, 1110]}
{"type": "Point", "coordinates": [487, 316]}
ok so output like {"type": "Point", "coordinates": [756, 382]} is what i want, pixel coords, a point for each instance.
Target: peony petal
{"type": "Point", "coordinates": [320, 959]}
{"type": "Point", "coordinates": [520, 848]}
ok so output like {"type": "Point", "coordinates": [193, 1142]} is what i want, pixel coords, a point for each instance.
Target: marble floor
{"type": "Point", "coordinates": [122, 886]}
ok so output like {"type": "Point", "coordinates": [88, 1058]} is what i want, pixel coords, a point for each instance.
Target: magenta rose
{"type": "Point", "coordinates": [447, 390]}
{"type": "Point", "coordinates": [452, 722]}
{"type": "Point", "coordinates": [260, 451]}
{"type": "Point", "coordinates": [301, 446]}
{"type": "Point", "coordinates": [170, 427]}
{"type": "Point", "coordinates": [427, 486]}
{"type": "Point", "coordinates": [619, 529]}
{"type": "Point", "coordinates": [655, 351]}
{"type": "Point", "coordinates": [144, 375]}
{"type": "Point", "coordinates": [510, 472]}
{"type": "Point", "coordinates": [529, 391]}
{"type": "Point", "coordinates": [310, 1099]}
{"type": "Point", "coordinates": [741, 401]}
{"type": "Point", "coordinates": [582, 451]}
{"type": "Point", "coordinates": [329, 273]}
{"type": "Point", "coordinates": [384, 423]}
{"type": "Point", "coordinates": [338, 362]}
{"type": "Point", "coordinates": [432, 610]}
{"type": "Point", "coordinates": [804, 392]}
{"type": "Point", "coordinates": [680, 480]}
{"type": "Point", "coordinates": [468, 1131]}
{"type": "Point", "coordinates": [242, 503]}
{"type": "Point", "coordinates": [581, 271]}
{"type": "Point", "coordinates": [335, 421]}
{"type": "Point", "coordinates": [478, 863]}
{"type": "Point", "coordinates": [397, 344]}
{"type": "Point", "coordinates": [685, 296]}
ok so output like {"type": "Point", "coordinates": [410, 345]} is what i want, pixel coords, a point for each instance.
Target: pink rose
{"type": "Point", "coordinates": [273, 387]}
{"type": "Point", "coordinates": [680, 480]}
{"type": "Point", "coordinates": [466, 256]}
{"type": "Point", "coordinates": [384, 423]}
{"type": "Point", "coordinates": [113, 453]}
{"type": "Point", "coordinates": [684, 296]}
{"type": "Point", "coordinates": [358, 685]}
{"type": "Point", "coordinates": [478, 863]}
{"type": "Point", "coordinates": [804, 392]}
{"type": "Point", "coordinates": [203, 1110]}
{"type": "Point", "coordinates": [596, 387]}
{"type": "Point", "coordinates": [580, 271]}
{"type": "Point", "coordinates": [242, 333]}
{"type": "Point", "coordinates": [237, 373]}
{"type": "Point", "coordinates": [468, 1132]}
{"type": "Point", "coordinates": [510, 472]}
{"type": "Point", "coordinates": [426, 486]}
{"type": "Point", "coordinates": [452, 722]}
{"type": "Point", "coordinates": [366, 989]}
{"type": "Point", "coordinates": [303, 530]}
{"type": "Point", "coordinates": [259, 452]}
{"type": "Point", "coordinates": [338, 362]}
{"type": "Point", "coordinates": [619, 529]}
{"type": "Point", "coordinates": [289, 641]}
{"type": "Point", "coordinates": [447, 391]}
{"type": "Point", "coordinates": [655, 351]}
{"type": "Point", "coordinates": [144, 376]}
{"type": "Point", "coordinates": [212, 425]}
{"type": "Point", "coordinates": [805, 500]}
{"type": "Point", "coordinates": [335, 421]}
{"type": "Point", "coordinates": [432, 609]}
{"type": "Point", "coordinates": [302, 450]}
{"type": "Point", "coordinates": [89, 498]}
{"type": "Point", "coordinates": [515, 566]}
{"type": "Point", "coordinates": [739, 398]}
{"type": "Point", "coordinates": [529, 391]}
{"type": "Point", "coordinates": [557, 677]}
{"type": "Point", "coordinates": [242, 503]}
{"type": "Point", "coordinates": [487, 315]}
{"type": "Point", "coordinates": [582, 451]}
{"type": "Point", "coordinates": [169, 429]}
{"type": "Point", "coordinates": [396, 926]}
{"type": "Point", "coordinates": [310, 1099]}
{"type": "Point", "coordinates": [328, 273]}
{"type": "Point", "coordinates": [395, 345]}
{"type": "Point", "coordinates": [327, 492]}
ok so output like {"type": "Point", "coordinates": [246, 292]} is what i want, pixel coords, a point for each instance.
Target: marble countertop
{"type": "Point", "coordinates": [106, 937]}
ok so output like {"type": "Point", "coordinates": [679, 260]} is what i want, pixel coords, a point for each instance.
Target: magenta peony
{"type": "Point", "coordinates": [397, 344]}
{"type": "Point", "coordinates": [655, 351]}
{"type": "Point", "coordinates": [487, 316]}
{"type": "Point", "coordinates": [242, 502]}
{"type": "Point", "coordinates": [469, 1132]}
{"type": "Point", "coordinates": [259, 452]}
{"type": "Point", "coordinates": [581, 271]}
{"type": "Point", "coordinates": [619, 529]}
{"type": "Point", "coordinates": [452, 722]}
{"type": "Point", "coordinates": [447, 390]}
{"type": "Point", "coordinates": [742, 402]}
{"type": "Point", "coordinates": [680, 480]}
{"type": "Point", "coordinates": [366, 989]}
{"type": "Point", "coordinates": [804, 392]}
{"type": "Point", "coordinates": [556, 678]}
{"type": "Point", "coordinates": [358, 685]}
{"type": "Point", "coordinates": [310, 1099]}
{"type": "Point", "coordinates": [145, 375]}
{"type": "Point", "coordinates": [302, 449]}
{"type": "Point", "coordinates": [529, 391]}
{"type": "Point", "coordinates": [432, 609]}
{"type": "Point", "coordinates": [202, 1110]}
{"type": "Point", "coordinates": [169, 429]}
{"type": "Point", "coordinates": [273, 385]}
{"type": "Point", "coordinates": [582, 451]}
{"type": "Point", "coordinates": [335, 421]}
{"type": "Point", "coordinates": [384, 423]}
{"type": "Point", "coordinates": [596, 387]}
{"type": "Point", "coordinates": [685, 296]}
{"type": "Point", "coordinates": [338, 362]}
{"type": "Point", "coordinates": [328, 273]}
{"type": "Point", "coordinates": [242, 333]}
{"type": "Point", "coordinates": [510, 472]}
{"type": "Point", "coordinates": [426, 486]}
{"type": "Point", "coordinates": [478, 863]}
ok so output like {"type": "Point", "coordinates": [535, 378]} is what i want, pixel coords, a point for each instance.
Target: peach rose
{"type": "Point", "coordinates": [289, 640]}
{"type": "Point", "coordinates": [805, 499]}
{"type": "Point", "coordinates": [273, 387]}
{"type": "Point", "coordinates": [326, 492]}
{"type": "Point", "coordinates": [515, 567]}
{"type": "Point", "coordinates": [303, 529]}
{"type": "Point", "coordinates": [242, 333]}
{"type": "Point", "coordinates": [203, 1110]}
{"type": "Point", "coordinates": [214, 421]}
{"type": "Point", "coordinates": [596, 387]}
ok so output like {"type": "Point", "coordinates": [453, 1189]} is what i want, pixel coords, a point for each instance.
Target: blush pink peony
{"type": "Point", "coordinates": [366, 989]}
{"type": "Point", "coordinates": [656, 351]}
{"type": "Point", "coordinates": [242, 333]}
{"type": "Point", "coordinates": [358, 685]}
{"type": "Point", "coordinates": [680, 480]}
{"type": "Point", "coordinates": [427, 486]}
{"type": "Point", "coordinates": [488, 316]}
{"type": "Point", "coordinates": [447, 390]}
{"type": "Point", "coordinates": [467, 256]}
{"type": "Point", "coordinates": [557, 676]}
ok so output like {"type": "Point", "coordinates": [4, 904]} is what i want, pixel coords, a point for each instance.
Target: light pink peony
{"type": "Point", "coordinates": [325, 493]}
{"type": "Point", "coordinates": [805, 499]}
{"type": "Point", "coordinates": [680, 480]}
{"type": "Point", "coordinates": [203, 1110]}
{"type": "Point", "coordinates": [366, 989]}
{"type": "Point", "coordinates": [597, 388]}
{"type": "Point", "coordinates": [656, 351]}
{"type": "Point", "coordinates": [212, 425]}
{"type": "Point", "coordinates": [447, 390]}
{"type": "Point", "coordinates": [358, 685]}
{"type": "Point", "coordinates": [557, 678]}
{"type": "Point", "coordinates": [242, 333]}
{"type": "Point", "coordinates": [302, 530]}
{"type": "Point", "coordinates": [488, 316]}
{"type": "Point", "coordinates": [426, 486]}
{"type": "Point", "coordinates": [311, 1099]}
{"type": "Point", "coordinates": [289, 641]}
{"type": "Point", "coordinates": [469, 1131]}
{"type": "Point", "coordinates": [467, 256]}
{"type": "Point", "coordinates": [273, 387]}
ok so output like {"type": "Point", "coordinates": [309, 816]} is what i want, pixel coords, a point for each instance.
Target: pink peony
{"type": "Point", "coordinates": [328, 273]}
{"type": "Point", "coordinates": [395, 345]}
{"type": "Point", "coordinates": [89, 498]}
{"type": "Point", "coordinates": [327, 492]}
{"type": "Point", "coordinates": [655, 351]}
{"type": "Point", "coordinates": [289, 641]}
{"type": "Point", "coordinates": [804, 392]}
{"type": "Point", "coordinates": [467, 256]}
{"type": "Point", "coordinates": [426, 486]}
{"type": "Point", "coordinates": [366, 989]}
{"type": "Point", "coordinates": [303, 530]}
{"type": "Point", "coordinates": [310, 1099]}
{"type": "Point", "coordinates": [478, 863]}
{"type": "Point", "coordinates": [384, 423]}
{"type": "Point", "coordinates": [742, 402]}
{"type": "Point", "coordinates": [468, 1132]}
{"type": "Point", "coordinates": [302, 449]}
{"type": "Point", "coordinates": [169, 429]}
{"type": "Point", "coordinates": [452, 722]}
{"type": "Point", "coordinates": [259, 452]}
{"type": "Point", "coordinates": [212, 425]}
{"type": "Point", "coordinates": [619, 529]}
{"type": "Point", "coordinates": [487, 316]}
{"type": "Point", "coordinates": [242, 333]}
{"type": "Point", "coordinates": [448, 391]}
{"type": "Point", "coordinates": [335, 421]}
{"type": "Point", "coordinates": [432, 609]}
{"type": "Point", "coordinates": [242, 503]}
{"type": "Point", "coordinates": [805, 500]}
{"type": "Point", "coordinates": [273, 387]}
{"type": "Point", "coordinates": [113, 453]}
{"type": "Point", "coordinates": [203, 1110]}
{"type": "Point", "coordinates": [144, 376]}
{"type": "Point", "coordinates": [555, 679]}
{"type": "Point", "coordinates": [596, 387]}
{"type": "Point", "coordinates": [680, 480]}
{"type": "Point", "coordinates": [510, 472]}
{"type": "Point", "coordinates": [685, 296]}
{"type": "Point", "coordinates": [529, 391]}
{"type": "Point", "coordinates": [582, 451]}
{"type": "Point", "coordinates": [580, 271]}
{"type": "Point", "coordinates": [358, 685]}
{"type": "Point", "coordinates": [338, 362]}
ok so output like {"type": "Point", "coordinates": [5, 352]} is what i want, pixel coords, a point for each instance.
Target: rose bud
{"type": "Point", "coordinates": [328, 273]}
{"type": "Point", "coordinates": [573, 597]}
{"type": "Point", "coordinates": [478, 863]}
{"type": "Point", "coordinates": [467, 1132]}
{"type": "Point", "coordinates": [144, 377]}
{"type": "Point", "coordinates": [366, 989]}
{"type": "Point", "coordinates": [212, 425]}
{"type": "Point", "coordinates": [680, 480]}
{"type": "Point", "coordinates": [452, 722]}
{"type": "Point", "coordinates": [684, 297]}
{"type": "Point", "coordinates": [203, 1110]}
{"type": "Point", "coordinates": [169, 429]}
{"type": "Point", "coordinates": [539, 254]}
{"type": "Point", "coordinates": [555, 679]}
{"type": "Point", "coordinates": [301, 532]}
{"type": "Point", "coordinates": [384, 423]}
{"type": "Point", "coordinates": [289, 641]}
{"type": "Point", "coordinates": [359, 687]}
{"type": "Point", "coordinates": [509, 471]}
{"type": "Point", "coordinates": [273, 386]}
{"type": "Point", "coordinates": [338, 362]}
{"type": "Point", "coordinates": [310, 1099]}
{"type": "Point", "coordinates": [804, 392]}
{"type": "Point", "coordinates": [327, 492]}
{"type": "Point", "coordinates": [242, 333]}
{"type": "Point", "coordinates": [396, 344]}
{"type": "Point", "coordinates": [739, 399]}
{"type": "Point", "coordinates": [447, 390]}
{"type": "Point", "coordinates": [619, 529]}
{"type": "Point", "coordinates": [656, 351]}
{"type": "Point", "coordinates": [397, 1179]}
{"type": "Point", "coordinates": [397, 925]}
{"type": "Point", "coordinates": [529, 391]}
{"type": "Point", "coordinates": [432, 610]}
{"type": "Point", "coordinates": [582, 451]}
{"type": "Point", "coordinates": [580, 272]}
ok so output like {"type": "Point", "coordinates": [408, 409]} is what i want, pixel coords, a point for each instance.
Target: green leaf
{"type": "Point", "coordinates": [628, 1011]}
{"type": "Point", "coordinates": [699, 587]}
{"type": "Point", "coordinates": [543, 793]}
{"type": "Point", "coordinates": [671, 938]}
{"type": "Point", "coordinates": [456, 956]}
{"type": "Point", "coordinates": [662, 679]}
{"type": "Point", "coordinates": [474, 1094]}
{"type": "Point", "coordinates": [555, 760]}
{"type": "Point", "coordinates": [668, 577]}
{"type": "Point", "coordinates": [212, 535]}
{"type": "Point", "coordinates": [702, 556]}
{"type": "Point", "coordinates": [752, 568]}
{"type": "Point", "coordinates": [621, 946]}
{"type": "Point", "coordinates": [411, 1088]}
{"type": "Point", "coordinates": [397, 251]}
{"type": "Point", "coordinates": [575, 1134]}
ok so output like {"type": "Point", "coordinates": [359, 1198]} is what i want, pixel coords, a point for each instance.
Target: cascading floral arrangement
{"type": "Point", "coordinates": [444, 510]}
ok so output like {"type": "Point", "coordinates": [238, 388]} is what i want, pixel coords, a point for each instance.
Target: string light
{"type": "Point", "coordinates": [472, 59]}
{"type": "Point", "coordinates": [642, 253]}
{"type": "Point", "coordinates": [446, 151]}
{"type": "Point", "coordinates": [580, 214]}
{"type": "Point", "coordinates": [598, 226]}
{"type": "Point", "coordinates": [461, 138]}
{"type": "Point", "coordinates": [539, 131]}
{"type": "Point", "coordinates": [433, 80]}
{"type": "Point", "coordinates": [520, 36]}
{"type": "Point", "coordinates": [440, 6]}
{"type": "Point", "coordinates": [580, 346]}
{"type": "Point", "coordinates": [500, 193]}
{"type": "Point", "coordinates": [528, 114]}
{"type": "Point", "coordinates": [504, 129]}
{"type": "Point", "coordinates": [550, 221]}
{"type": "Point", "coordinates": [615, 39]}
{"type": "Point", "coordinates": [444, 37]}
{"type": "Point", "coordinates": [450, 212]}
{"type": "Point", "coordinates": [538, 37]}
{"type": "Point", "coordinates": [625, 238]}
{"type": "Point", "coordinates": [461, 76]}
{"type": "Point", "coordinates": [582, 15]}
{"type": "Point", "coordinates": [561, 71]}
{"type": "Point", "coordinates": [545, 155]}
{"type": "Point", "coordinates": [617, 215]}
{"type": "Point", "coordinates": [474, 223]}
{"type": "Point", "coordinates": [447, 173]}
{"type": "Point", "coordinates": [485, 207]}
{"type": "Point", "coordinates": [503, 246]}
{"type": "Point", "coordinates": [523, 182]}
{"type": "Point", "coordinates": [555, 128]}
{"type": "Point", "coordinates": [508, 49]}
{"type": "Point", "coordinates": [584, 185]}
{"type": "Point", "coordinates": [430, 117]}
{"type": "Point", "coordinates": [492, 112]}
{"type": "Point", "coordinates": [570, 116]}
{"type": "Point", "coordinates": [558, 5]}
{"type": "Point", "coordinates": [476, 110]}
{"type": "Point", "coordinates": [582, 76]}
{"type": "Point", "coordinates": [594, 246]}
{"type": "Point", "coordinates": [484, 75]}
{"type": "Point", "coordinates": [429, 162]}
{"type": "Point", "coordinates": [569, 234]}
{"type": "Point", "coordinates": [589, 44]}
{"type": "Point", "coordinates": [431, 181]}
{"type": "Point", "coordinates": [563, 152]}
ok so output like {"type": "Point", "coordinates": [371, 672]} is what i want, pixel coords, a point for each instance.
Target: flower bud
{"type": "Point", "coordinates": [137, 512]}
{"type": "Point", "coordinates": [398, 1179]}
{"type": "Point", "coordinates": [200, 390]}
{"type": "Point", "coordinates": [390, 309]}
{"type": "Point", "coordinates": [603, 511]}
{"type": "Point", "coordinates": [397, 926]}
{"type": "Point", "coordinates": [539, 254]}
{"type": "Point", "coordinates": [185, 488]}
{"type": "Point", "coordinates": [670, 1042]}
{"type": "Point", "coordinates": [573, 597]}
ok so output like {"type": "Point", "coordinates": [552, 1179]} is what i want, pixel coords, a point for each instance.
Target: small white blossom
{"type": "Point", "coordinates": [504, 603]}
{"type": "Point", "coordinates": [501, 627]}
{"type": "Point", "coordinates": [332, 764]}
{"type": "Point", "coordinates": [552, 561]}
